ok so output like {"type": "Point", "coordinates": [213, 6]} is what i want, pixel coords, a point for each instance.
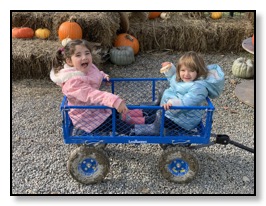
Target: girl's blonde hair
{"type": "Point", "coordinates": [193, 61]}
{"type": "Point", "coordinates": [66, 52]}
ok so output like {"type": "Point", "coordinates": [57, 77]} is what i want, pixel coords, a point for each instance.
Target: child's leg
{"type": "Point", "coordinates": [150, 115]}
{"type": "Point", "coordinates": [150, 119]}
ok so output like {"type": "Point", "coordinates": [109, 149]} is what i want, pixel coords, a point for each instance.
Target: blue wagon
{"type": "Point", "coordinates": [178, 163]}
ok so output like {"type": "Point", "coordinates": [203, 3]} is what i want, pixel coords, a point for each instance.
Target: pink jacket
{"type": "Point", "coordinates": [83, 89]}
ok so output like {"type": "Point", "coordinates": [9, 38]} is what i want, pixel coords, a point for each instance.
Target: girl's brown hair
{"type": "Point", "coordinates": [193, 61]}
{"type": "Point", "coordinates": [66, 52]}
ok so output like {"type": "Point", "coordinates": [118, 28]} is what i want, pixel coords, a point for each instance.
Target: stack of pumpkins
{"type": "Point", "coordinates": [67, 30]}
{"type": "Point", "coordinates": [125, 48]}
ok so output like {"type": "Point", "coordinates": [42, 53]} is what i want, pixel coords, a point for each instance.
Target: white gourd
{"type": "Point", "coordinates": [243, 68]}
{"type": "Point", "coordinates": [65, 41]}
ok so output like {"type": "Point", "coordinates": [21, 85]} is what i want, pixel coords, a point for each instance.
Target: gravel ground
{"type": "Point", "coordinates": [39, 155]}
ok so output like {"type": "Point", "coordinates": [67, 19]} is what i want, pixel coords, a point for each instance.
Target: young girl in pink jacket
{"type": "Point", "coordinates": [80, 80]}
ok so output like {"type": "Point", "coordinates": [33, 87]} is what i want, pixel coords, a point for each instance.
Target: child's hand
{"type": "Point", "coordinates": [122, 108]}
{"type": "Point", "coordinates": [107, 78]}
{"type": "Point", "coordinates": [165, 63]}
{"type": "Point", "coordinates": [167, 105]}
{"type": "Point", "coordinates": [165, 67]}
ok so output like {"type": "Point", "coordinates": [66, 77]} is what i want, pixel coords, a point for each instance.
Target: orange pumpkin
{"type": "Point", "coordinates": [22, 32]}
{"type": "Point", "coordinates": [69, 29]}
{"type": "Point", "coordinates": [216, 15]}
{"type": "Point", "coordinates": [252, 40]}
{"type": "Point", "coordinates": [153, 15]}
{"type": "Point", "coordinates": [127, 40]}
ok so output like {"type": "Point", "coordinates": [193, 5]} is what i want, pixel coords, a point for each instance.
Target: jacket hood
{"type": "Point", "coordinates": [214, 82]}
{"type": "Point", "coordinates": [64, 74]}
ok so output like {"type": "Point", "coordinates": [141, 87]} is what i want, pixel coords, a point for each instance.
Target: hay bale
{"type": "Point", "coordinates": [127, 17]}
{"type": "Point", "coordinates": [32, 58]}
{"type": "Point", "coordinates": [98, 27]}
{"type": "Point", "coordinates": [190, 15]}
{"type": "Point", "coordinates": [251, 16]}
{"type": "Point", "coordinates": [186, 15]}
{"type": "Point", "coordinates": [185, 34]}
{"type": "Point", "coordinates": [138, 16]}
{"type": "Point", "coordinates": [158, 34]}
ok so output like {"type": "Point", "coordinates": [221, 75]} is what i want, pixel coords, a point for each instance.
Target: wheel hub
{"type": "Point", "coordinates": [88, 166]}
{"type": "Point", "coordinates": [178, 167]}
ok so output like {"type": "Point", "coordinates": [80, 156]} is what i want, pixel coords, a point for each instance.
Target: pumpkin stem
{"type": "Point", "coordinates": [129, 37]}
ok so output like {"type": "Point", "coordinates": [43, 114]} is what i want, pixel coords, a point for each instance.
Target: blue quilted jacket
{"type": "Point", "coordinates": [191, 94]}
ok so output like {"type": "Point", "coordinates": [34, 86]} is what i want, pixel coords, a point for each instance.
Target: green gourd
{"type": "Point", "coordinates": [123, 55]}
{"type": "Point", "coordinates": [243, 68]}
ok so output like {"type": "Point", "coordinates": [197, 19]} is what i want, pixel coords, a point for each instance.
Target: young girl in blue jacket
{"type": "Point", "coordinates": [190, 83]}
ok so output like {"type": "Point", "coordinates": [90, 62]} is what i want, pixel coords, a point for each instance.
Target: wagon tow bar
{"type": "Point", "coordinates": [224, 140]}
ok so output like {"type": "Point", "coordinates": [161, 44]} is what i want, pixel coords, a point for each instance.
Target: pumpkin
{"type": "Point", "coordinates": [22, 32]}
{"type": "Point", "coordinates": [65, 41]}
{"type": "Point", "coordinates": [216, 15]}
{"type": "Point", "coordinates": [123, 55]}
{"type": "Point", "coordinates": [69, 29]}
{"type": "Point", "coordinates": [125, 39]}
{"type": "Point", "coordinates": [252, 39]}
{"type": "Point", "coordinates": [243, 68]}
{"type": "Point", "coordinates": [153, 15]}
{"type": "Point", "coordinates": [42, 33]}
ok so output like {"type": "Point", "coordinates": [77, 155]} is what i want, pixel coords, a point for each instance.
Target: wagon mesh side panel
{"type": "Point", "coordinates": [86, 120]}
{"type": "Point", "coordinates": [184, 127]}
{"type": "Point", "coordinates": [134, 93]}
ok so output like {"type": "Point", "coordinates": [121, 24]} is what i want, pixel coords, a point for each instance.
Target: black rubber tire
{"type": "Point", "coordinates": [179, 154]}
{"type": "Point", "coordinates": [82, 159]}
{"type": "Point", "coordinates": [165, 146]}
{"type": "Point", "coordinates": [97, 145]}
{"type": "Point", "coordinates": [100, 145]}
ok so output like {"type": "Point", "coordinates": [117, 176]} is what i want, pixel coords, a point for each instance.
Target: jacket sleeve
{"type": "Point", "coordinates": [104, 74]}
{"type": "Point", "coordinates": [171, 72]}
{"type": "Point", "coordinates": [78, 90]}
{"type": "Point", "coordinates": [194, 97]}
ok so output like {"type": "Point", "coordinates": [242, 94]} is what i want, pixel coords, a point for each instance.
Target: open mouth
{"type": "Point", "coordinates": [84, 64]}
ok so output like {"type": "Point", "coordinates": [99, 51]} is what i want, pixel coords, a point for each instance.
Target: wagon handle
{"type": "Point", "coordinates": [225, 140]}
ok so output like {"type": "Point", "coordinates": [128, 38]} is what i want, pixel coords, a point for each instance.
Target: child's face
{"type": "Point", "coordinates": [186, 74]}
{"type": "Point", "coordinates": [81, 59]}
